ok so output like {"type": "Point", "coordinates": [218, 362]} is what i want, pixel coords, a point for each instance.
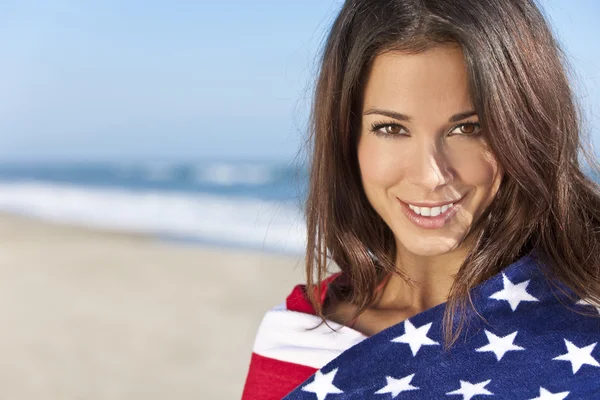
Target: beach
{"type": "Point", "coordinates": [90, 314]}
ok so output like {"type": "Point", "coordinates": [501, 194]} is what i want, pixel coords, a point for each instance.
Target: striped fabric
{"type": "Point", "coordinates": [291, 345]}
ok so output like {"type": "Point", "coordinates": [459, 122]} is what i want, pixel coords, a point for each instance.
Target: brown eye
{"type": "Point", "coordinates": [392, 129]}
{"type": "Point", "coordinates": [467, 129]}
{"type": "Point", "coordinates": [388, 129]}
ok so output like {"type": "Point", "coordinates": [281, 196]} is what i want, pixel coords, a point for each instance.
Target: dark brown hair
{"type": "Point", "coordinates": [522, 95]}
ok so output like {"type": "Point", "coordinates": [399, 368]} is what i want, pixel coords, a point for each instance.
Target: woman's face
{"type": "Point", "coordinates": [421, 145]}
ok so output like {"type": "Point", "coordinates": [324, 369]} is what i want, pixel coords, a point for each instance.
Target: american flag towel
{"type": "Point", "coordinates": [288, 348]}
{"type": "Point", "coordinates": [531, 347]}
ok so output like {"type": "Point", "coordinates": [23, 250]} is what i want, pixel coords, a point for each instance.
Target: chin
{"type": "Point", "coordinates": [432, 246]}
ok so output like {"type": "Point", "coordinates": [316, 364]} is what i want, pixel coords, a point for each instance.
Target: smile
{"type": "Point", "coordinates": [430, 211]}
{"type": "Point", "coordinates": [430, 217]}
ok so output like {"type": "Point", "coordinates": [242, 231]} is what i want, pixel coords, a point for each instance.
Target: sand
{"type": "Point", "coordinates": [99, 315]}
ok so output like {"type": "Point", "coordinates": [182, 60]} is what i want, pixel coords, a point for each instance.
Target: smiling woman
{"type": "Point", "coordinates": [430, 155]}
{"type": "Point", "coordinates": [447, 188]}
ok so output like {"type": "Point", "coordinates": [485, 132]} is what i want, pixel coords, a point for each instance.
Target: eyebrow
{"type": "Point", "coordinates": [403, 117]}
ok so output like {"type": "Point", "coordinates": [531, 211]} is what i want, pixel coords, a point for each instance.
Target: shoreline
{"type": "Point", "coordinates": [101, 314]}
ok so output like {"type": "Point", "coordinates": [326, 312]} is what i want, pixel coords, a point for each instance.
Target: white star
{"type": "Point", "coordinates": [468, 390]}
{"type": "Point", "coordinates": [547, 395]}
{"type": "Point", "coordinates": [415, 337]}
{"type": "Point", "coordinates": [500, 345]}
{"type": "Point", "coordinates": [587, 302]}
{"type": "Point", "coordinates": [396, 386]}
{"type": "Point", "coordinates": [322, 385]}
{"type": "Point", "coordinates": [578, 356]}
{"type": "Point", "coordinates": [514, 294]}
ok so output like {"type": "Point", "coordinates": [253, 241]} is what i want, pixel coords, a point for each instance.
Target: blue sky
{"type": "Point", "coordinates": [189, 80]}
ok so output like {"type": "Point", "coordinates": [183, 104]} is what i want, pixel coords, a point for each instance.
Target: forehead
{"type": "Point", "coordinates": [433, 82]}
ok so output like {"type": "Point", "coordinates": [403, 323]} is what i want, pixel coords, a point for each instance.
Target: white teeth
{"type": "Point", "coordinates": [430, 211]}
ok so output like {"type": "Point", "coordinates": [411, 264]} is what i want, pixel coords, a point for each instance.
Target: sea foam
{"type": "Point", "coordinates": [249, 222]}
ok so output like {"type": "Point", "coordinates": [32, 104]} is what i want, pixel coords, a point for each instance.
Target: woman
{"type": "Point", "coordinates": [446, 186]}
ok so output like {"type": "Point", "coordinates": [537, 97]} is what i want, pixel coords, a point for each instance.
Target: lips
{"type": "Point", "coordinates": [430, 211]}
{"type": "Point", "coordinates": [432, 204]}
{"type": "Point", "coordinates": [429, 222]}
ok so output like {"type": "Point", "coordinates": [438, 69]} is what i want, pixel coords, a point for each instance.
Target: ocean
{"type": "Point", "coordinates": [254, 205]}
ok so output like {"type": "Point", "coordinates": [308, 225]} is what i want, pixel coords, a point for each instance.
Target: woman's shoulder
{"type": "Point", "coordinates": [292, 343]}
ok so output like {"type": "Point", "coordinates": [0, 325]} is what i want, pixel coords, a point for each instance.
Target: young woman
{"type": "Point", "coordinates": [447, 187]}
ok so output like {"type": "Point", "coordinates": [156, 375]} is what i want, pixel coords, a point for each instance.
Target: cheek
{"type": "Point", "coordinates": [381, 163]}
{"type": "Point", "coordinates": [477, 166]}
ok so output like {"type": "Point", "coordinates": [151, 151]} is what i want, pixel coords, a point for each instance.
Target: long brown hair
{"type": "Point", "coordinates": [520, 90]}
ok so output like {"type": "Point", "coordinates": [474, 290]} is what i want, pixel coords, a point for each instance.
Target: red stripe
{"type": "Point", "coordinates": [273, 379]}
{"type": "Point", "coordinates": [298, 301]}
{"type": "Point", "coordinates": [269, 378]}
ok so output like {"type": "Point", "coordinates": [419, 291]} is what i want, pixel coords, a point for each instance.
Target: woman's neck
{"type": "Point", "coordinates": [430, 279]}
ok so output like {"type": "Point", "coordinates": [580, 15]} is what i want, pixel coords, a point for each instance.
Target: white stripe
{"type": "Point", "coordinates": [288, 336]}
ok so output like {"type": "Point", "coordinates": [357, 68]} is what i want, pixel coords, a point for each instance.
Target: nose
{"type": "Point", "coordinates": [430, 167]}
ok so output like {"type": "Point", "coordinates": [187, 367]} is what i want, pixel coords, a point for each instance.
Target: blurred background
{"type": "Point", "coordinates": [151, 184]}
